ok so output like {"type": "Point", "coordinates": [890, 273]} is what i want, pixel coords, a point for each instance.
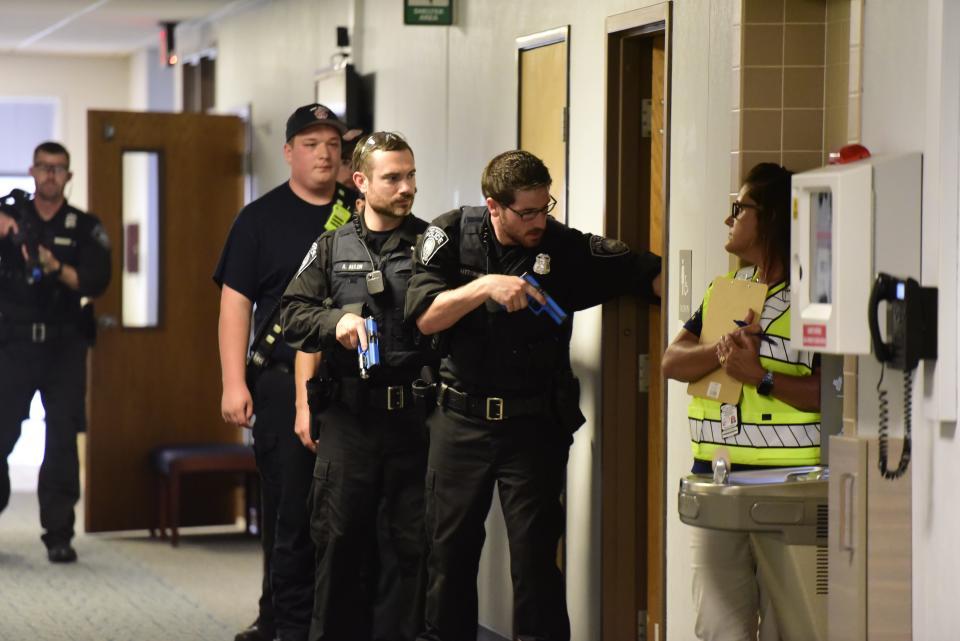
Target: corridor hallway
{"type": "Point", "coordinates": [125, 586]}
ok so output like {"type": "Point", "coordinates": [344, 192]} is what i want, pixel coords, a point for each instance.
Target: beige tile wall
{"type": "Point", "coordinates": [781, 77]}
{"type": "Point", "coordinates": [796, 82]}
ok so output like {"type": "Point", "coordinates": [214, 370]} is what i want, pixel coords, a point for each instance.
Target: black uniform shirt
{"type": "Point", "coordinates": [585, 270]}
{"type": "Point", "coordinates": [309, 317]}
{"type": "Point", "coordinates": [76, 239]}
{"type": "Point", "coordinates": [267, 242]}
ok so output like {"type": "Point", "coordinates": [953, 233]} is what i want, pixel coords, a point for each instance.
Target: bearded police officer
{"type": "Point", "coordinates": [367, 500]}
{"type": "Point", "coordinates": [261, 255]}
{"type": "Point", "coordinates": [51, 256]}
{"type": "Point", "coordinates": [508, 398]}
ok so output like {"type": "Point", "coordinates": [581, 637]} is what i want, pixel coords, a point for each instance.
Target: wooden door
{"type": "Point", "coordinates": [160, 384]}
{"type": "Point", "coordinates": [542, 114]}
{"type": "Point", "coordinates": [542, 117]}
{"type": "Point", "coordinates": [633, 441]}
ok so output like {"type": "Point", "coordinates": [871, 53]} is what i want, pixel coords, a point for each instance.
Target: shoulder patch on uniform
{"type": "Point", "coordinates": [433, 239]}
{"type": "Point", "coordinates": [607, 247]}
{"type": "Point", "coordinates": [309, 258]}
{"type": "Point", "coordinates": [99, 234]}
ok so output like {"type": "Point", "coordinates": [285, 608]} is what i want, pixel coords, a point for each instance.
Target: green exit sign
{"type": "Point", "coordinates": [428, 12]}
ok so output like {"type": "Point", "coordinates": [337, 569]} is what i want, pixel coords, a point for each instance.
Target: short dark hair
{"type": "Point", "coordinates": [768, 185]}
{"type": "Point", "coordinates": [510, 172]}
{"type": "Point", "coordinates": [51, 147]}
{"type": "Point", "coordinates": [377, 141]}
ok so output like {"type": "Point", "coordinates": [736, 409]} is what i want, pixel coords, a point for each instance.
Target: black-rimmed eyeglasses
{"type": "Point", "coordinates": [530, 214]}
{"type": "Point", "coordinates": [737, 208]}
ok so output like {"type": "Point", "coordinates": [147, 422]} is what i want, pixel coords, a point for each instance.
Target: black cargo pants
{"type": "Point", "coordinates": [286, 469]}
{"type": "Point", "coordinates": [527, 459]}
{"type": "Point", "coordinates": [367, 524]}
{"type": "Point", "coordinates": [57, 369]}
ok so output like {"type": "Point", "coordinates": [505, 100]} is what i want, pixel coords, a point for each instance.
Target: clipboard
{"type": "Point", "coordinates": [730, 300]}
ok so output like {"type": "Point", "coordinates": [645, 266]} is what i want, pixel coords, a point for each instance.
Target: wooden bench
{"type": "Point", "coordinates": [171, 462]}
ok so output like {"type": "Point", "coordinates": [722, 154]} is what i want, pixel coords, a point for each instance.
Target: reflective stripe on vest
{"type": "Point", "coordinates": [771, 432]}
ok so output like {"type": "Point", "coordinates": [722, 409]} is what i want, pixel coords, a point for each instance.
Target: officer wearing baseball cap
{"type": "Point", "coordinates": [262, 254]}
{"type": "Point", "coordinates": [314, 115]}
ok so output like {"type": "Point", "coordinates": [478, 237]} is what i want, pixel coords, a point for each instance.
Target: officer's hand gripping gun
{"type": "Point", "coordinates": [17, 205]}
{"type": "Point", "coordinates": [553, 310]}
{"type": "Point", "coordinates": [370, 357]}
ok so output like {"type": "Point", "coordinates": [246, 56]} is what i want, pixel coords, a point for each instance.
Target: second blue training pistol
{"type": "Point", "coordinates": [370, 357]}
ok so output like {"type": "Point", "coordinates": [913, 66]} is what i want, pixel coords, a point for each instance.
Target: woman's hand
{"type": "Point", "coordinates": [738, 353]}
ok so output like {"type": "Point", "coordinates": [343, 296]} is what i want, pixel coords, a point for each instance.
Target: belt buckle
{"type": "Point", "coordinates": [38, 332]}
{"type": "Point", "coordinates": [395, 397]}
{"type": "Point", "coordinates": [494, 408]}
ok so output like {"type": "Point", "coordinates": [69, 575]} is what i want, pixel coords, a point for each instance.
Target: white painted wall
{"type": "Point", "coordinates": [700, 175]}
{"type": "Point", "coordinates": [911, 102]}
{"type": "Point", "coordinates": [267, 55]}
{"type": "Point", "coordinates": [78, 83]}
{"type": "Point", "coordinates": [151, 82]}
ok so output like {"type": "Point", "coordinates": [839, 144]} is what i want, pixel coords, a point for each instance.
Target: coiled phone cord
{"type": "Point", "coordinates": [884, 424]}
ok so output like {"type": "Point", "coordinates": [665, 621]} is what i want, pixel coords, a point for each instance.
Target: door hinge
{"type": "Point", "coordinates": [646, 117]}
{"type": "Point", "coordinates": [566, 124]}
{"type": "Point", "coordinates": [641, 625]}
{"type": "Point", "coordinates": [643, 373]}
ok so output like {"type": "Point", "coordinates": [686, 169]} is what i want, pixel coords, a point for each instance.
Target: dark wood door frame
{"type": "Point", "coordinates": [633, 447]}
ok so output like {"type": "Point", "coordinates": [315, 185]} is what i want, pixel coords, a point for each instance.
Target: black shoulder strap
{"type": "Point", "coordinates": [473, 254]}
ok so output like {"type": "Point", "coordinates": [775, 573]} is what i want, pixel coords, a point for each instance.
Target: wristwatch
{"type": "Point", "coordinates": [765, 388]}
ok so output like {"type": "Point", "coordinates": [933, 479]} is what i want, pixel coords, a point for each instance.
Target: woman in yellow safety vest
{"type": "Point", "coordinates": [776, 423]}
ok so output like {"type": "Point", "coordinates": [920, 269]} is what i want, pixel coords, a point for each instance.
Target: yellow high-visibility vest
{"type": "Point", "coordinates": [770, 432]}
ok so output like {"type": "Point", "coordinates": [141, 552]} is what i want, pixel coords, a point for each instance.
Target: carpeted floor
{"type": "Point", "coordinates": [125, 587]}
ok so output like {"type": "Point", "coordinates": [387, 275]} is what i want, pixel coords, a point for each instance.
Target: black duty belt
{"type": "Point", "coordinates": [390, 398]}
{"type": "Point", "coordinates": [281, 366]}
{"type": "Point", "coordinates": [491, 408]}
{"type": "Point", "coordinates": [37, 332]}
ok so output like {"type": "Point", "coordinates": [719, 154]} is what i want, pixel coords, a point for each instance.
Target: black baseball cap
{"type": "Point", "coordinates": [311, 116]}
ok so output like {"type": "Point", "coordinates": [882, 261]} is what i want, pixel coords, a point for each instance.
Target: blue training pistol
{"type": "Point", "coordinates": [553, 310]}
{"type": "Point", "coordinates": [370, 357]}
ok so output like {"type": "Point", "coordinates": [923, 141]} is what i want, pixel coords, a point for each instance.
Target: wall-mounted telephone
{"type": "Point", "coordinates": [912, 326]}
{"type": "Point", "coordinates": [911, 322]}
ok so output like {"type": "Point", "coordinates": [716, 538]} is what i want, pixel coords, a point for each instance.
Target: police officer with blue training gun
{"type": "Point", "coordinates": [508, 399]}
{"type": "Point", "coordinates": [51, 256]}
{"type": "Point", "coordinates": [367, 496]}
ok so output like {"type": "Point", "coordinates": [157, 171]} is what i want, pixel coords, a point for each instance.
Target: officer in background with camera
{"type": "Point", "coordinates": [367, 497]}
{"type": "Point", "coordinates": [52, 255]}
{"type": "Point", "coordinates": [261, 255]}
{"type": "Point", "coordinates": [508, 399]}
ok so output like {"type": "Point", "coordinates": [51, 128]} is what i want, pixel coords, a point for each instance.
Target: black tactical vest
{"type": "Point", "coordinates": [402, 350]}
{"type": "Point", "coordinates": [491, 351]}
{"type": "Point", "coordinates": [47, 300]}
